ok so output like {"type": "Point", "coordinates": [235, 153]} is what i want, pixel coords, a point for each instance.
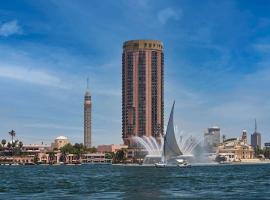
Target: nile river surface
{"type": "Point", "coordinates": [126, 182]}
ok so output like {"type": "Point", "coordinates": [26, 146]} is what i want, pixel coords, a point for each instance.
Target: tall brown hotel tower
{"type": "Point", "coordinates": [142, 89]}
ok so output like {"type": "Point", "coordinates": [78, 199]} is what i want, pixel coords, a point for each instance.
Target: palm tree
{"type": "Point", "coordinates": [3, 142]}
{"type": "Point", "coordinates": [120, 155]}
{"type": "Point", "coordinates": [9, 145]}
{"type": "Point", "coordinates": [51, 157]}
{"type": "Point", "coordinates": [63, 157]}
{"type": "Point", "coordinates": [36, 159]}
{"type": "Point", "coordinates": [20, 144]}
{"type": "Point", "coordinates": [12, 133]}
{"type": "Point", "coordinates": [223, 138]}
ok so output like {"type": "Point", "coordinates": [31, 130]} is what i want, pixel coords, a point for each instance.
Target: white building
{"type": "Point", "coordinates": [59, 142]}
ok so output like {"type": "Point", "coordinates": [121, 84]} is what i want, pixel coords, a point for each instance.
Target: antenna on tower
{"type": "Point", "coordinates": [87, 83]}
{"type": "Point", "coordinates": [255, 125]}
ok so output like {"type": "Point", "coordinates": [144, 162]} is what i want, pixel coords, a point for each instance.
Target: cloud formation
{"type": "Point", "coordinates": [30, 75]}
{"type": "Point", "coordinates": [167, 14]}
{"type": "Point", "coordinates": [10, 28]}
{"type": "Point", "coordinates": [54, 126]}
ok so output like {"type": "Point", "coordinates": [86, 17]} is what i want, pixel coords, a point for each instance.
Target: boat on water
{"type": "Point", "coordinates": [224, 162]}
{"type": "Point", "coordinates": [30, 163]}
{"type": "Point", "coordinates": [160, 165]}
{"type": "Point", "coordinates": [183, 163]}
{"type": "Point", "coordinates": [14, 164]}
{"type": "Point", "coordinates": [96, 163]}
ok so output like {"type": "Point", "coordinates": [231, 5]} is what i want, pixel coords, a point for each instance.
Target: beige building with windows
{"type": "Point", "coordinates": [110, 148]}
{"type": "Point", "coordinates": [236, 149]}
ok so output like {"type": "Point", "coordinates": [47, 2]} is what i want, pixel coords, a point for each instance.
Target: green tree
{"type": "Point", "coordinates": [63, 157]}
{"type": "Point", "coordinates": [258, 151]}
{"type": "Point", "coordinates": [65, 150]}
{"type": "Point", "coordinates": [9, 145]}
{"type": "Point", "coordinates": [20, 144]}
{"type": "Point", "coordinates": [223, 138]}
{"type": "Point", "coordinates": [68, 148]}
{"type": "Point", "coordinates": [109, 155]}
{"type": "Point", "coordinates": [36, 159]}
{"type": "Point", "coordinates": [3, 142]}
{"type": "Point", "coordinates": [267, 152]}
{"type": "Point", "coordinates": [92, 150]}
{"type": "Point", "coordinates": [17, 148]}
{"type": "Point", "coordinates": [78, 146]}
{"type": "Point", "coordinates": [120, 155]}
{"type": "Point", "coordinates": [51, 157]}
{"type": "Point", "coordinates": [79, 149]}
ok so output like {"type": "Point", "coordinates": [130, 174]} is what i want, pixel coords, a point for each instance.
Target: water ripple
{"type": "Point", "coordinates": [120, 182]}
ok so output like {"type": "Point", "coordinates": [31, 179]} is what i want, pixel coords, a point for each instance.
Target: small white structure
{"type": "Point", "coordinates": [59, 142]}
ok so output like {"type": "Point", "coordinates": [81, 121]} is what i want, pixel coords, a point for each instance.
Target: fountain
{"type": "Point", "coordinates": [172, 146]}
{"type": "Point", "coordinates": [149, 144]}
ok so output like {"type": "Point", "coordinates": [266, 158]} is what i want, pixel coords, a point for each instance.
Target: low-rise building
{"type": "Point", "coordinates": [95, 158]}
{"type": "Point", "coordinates": [236, 149]}
{"type": "Point", "coordinates": [17, 159]}
{"type": "Point", "coordinates": [111, 148]}
{"type": "Point", "coordinates": [35, 148]}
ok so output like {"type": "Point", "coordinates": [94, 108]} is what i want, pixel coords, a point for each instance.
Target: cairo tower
{"type": "Point", "coordinates": [142, 89]}
{"type": "Point", "coordinates": [87, 118]}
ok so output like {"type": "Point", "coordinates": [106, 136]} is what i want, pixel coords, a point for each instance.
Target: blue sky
{"type": "Point", "coordinates": [216, 64]}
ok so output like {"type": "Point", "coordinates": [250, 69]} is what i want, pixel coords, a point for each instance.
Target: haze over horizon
{"type": "Point", "coordinates": [216, 65]}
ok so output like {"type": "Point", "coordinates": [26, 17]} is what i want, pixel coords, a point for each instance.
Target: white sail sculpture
{"type": "Point", "coordinates": [170, 148]}
{"type": "Point", "coordinates": [172, 145]}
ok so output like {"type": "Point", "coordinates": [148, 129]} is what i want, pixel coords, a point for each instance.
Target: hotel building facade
{"type": "Point", "coordinates": [142, 89]}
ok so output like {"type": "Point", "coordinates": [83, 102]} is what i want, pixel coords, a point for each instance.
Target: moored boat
{"type": "Point", "coordinates": [183, 163]}
{"type": "Point", "coordinates": [160, 165]}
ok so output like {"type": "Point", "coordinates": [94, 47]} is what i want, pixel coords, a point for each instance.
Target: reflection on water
{"type": "Point", "coordinates": [125, 182]}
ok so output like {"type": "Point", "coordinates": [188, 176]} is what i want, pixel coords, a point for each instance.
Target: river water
{"type": "Point", "coordinates": [126, 182]}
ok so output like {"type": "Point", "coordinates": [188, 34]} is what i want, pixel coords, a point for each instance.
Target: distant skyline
{"type": "Point", "coordinates": [216, 65]}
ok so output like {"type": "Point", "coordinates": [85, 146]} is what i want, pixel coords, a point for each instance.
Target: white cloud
{"type": "Point", "coordinates": [53, 126]}
{"type": "Point", "coordinates": [30, 75]}
{"type": "Point", "coordinates": [10, 28]}
{"type": "Point", "coordinates": [167, 14]}
{"type": "Point", "coordinates": [263, 48]}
